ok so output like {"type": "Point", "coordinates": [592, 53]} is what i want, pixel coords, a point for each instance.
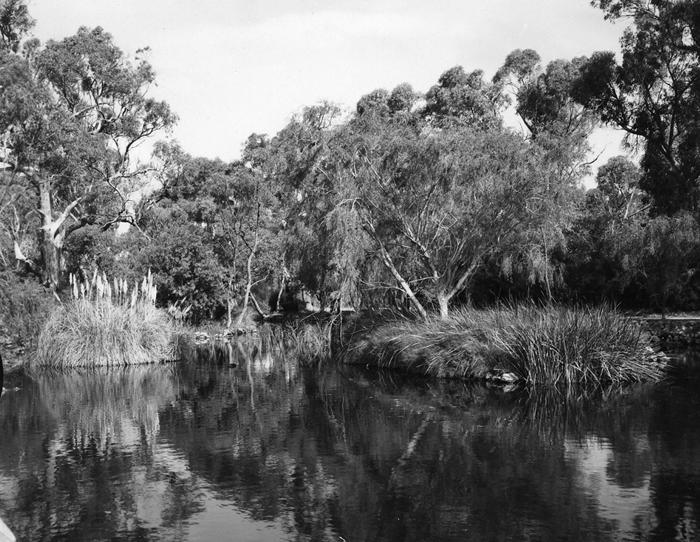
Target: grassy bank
{"type": "Point", "coordinates": [106, 324]}
{"type": "Point", "coordinates": [535, 345]}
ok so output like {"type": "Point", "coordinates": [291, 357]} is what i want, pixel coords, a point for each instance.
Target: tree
{"type": "Point", "coordinates": [15, 22]}
{"type": "Point", "coordinates": [607, 242]}
{"type": "Point", "coordinates": [437, 203]}
{"type": "Point", "coordinates": [543, 98]}
{"type": "Point", "coordinates": [618, 183]}
{"type": "Point", "coordinates": [559, 127]}
{"type": "Point", "coordinates": [323, 247]}
{"type": "Point", "coordinates": [653, 94]}
{"type": "Point", "coordinates": [73, 114]}
{"type": "Point", "coordinates": [464, 98]}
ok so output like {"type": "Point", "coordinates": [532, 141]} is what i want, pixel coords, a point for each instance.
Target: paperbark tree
{"type": "Point", "coordinates": [439, 203]}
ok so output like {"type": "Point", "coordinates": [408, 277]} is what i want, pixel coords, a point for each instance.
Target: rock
{"type": "Point", "coordinates": [509, 378]}
{"type": "Point", "coordinates": [200, 337]}
{"type": "Point", "coordinates": [501, 377]}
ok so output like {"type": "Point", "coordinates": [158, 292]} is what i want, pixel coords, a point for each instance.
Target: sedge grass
{"type": "Point", "coordinates": [537, 345]}
{"type": "Point", "coordinates": [106, 326]}
{"type": "Point", "coordinates": [309, 341]}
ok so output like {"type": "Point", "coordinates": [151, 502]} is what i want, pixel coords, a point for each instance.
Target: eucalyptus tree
{"type": "Point", "coordinates": [617, 182]}
{"type": "Point", "coordinates": [73, 112]}
{"type": "Point", "coordinates": [653, 94]}
{"type": "Point", "coordinates": [543, 98]}
{"type": "Point", "coordinates": [464, 98]}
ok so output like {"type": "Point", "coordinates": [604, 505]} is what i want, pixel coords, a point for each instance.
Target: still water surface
{"type": "Point", "coordinates": [270, 451]}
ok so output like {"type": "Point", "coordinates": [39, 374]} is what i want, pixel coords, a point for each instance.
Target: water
{"type": "Point", "coordinates": [269, 451]}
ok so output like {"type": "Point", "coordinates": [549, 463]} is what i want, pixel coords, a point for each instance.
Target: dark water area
{"type": "Point", "coordinates": [267, 450]}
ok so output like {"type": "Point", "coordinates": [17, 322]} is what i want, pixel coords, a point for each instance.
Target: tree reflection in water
{"type": "Point", "coordinates": [242, 443]}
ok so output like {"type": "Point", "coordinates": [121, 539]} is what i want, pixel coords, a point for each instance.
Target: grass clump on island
{"type": "Point", "coordinates": [107, 324]}
{"type": "Point", "coordinates": [531, 344]}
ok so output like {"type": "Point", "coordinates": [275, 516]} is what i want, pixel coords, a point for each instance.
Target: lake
{"type": "Point", "coordinates": [267, 450]}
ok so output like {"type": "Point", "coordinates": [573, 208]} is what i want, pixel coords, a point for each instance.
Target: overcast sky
{"type": "Point", "coordinates": [233, 67]}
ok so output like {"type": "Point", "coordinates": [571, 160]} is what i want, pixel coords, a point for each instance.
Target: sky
{"type": "Point", "coordinates": [229, 68]}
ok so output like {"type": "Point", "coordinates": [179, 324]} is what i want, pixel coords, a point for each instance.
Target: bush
{"type": "Point", "coordinates": [537, 345]}
{"type": "Point", "coordinates": [24, 307]}
{"type": "Point", "coordinates": [107, 326]}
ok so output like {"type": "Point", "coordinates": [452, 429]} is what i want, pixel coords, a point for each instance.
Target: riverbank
{"type": "Point", "coordinates": [526, 344]}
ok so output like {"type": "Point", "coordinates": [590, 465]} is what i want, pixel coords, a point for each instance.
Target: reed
{"type": "Point", "coordinates": [536, 344]}
{"type": "Point", "coordinates": [310, 341]}
{"type": "Point", "coordinates": [107, 323]}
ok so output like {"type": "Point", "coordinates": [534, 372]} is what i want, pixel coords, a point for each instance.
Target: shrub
{"type": "Point", "coordinates": [106, 325]}
{"type": "Point", "coordinates": [24, 307]}
{"type": "Point", "coordinates": [538, 345]}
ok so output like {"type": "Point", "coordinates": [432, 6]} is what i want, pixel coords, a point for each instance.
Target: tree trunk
{"type": "Point", "coordinates": [249, 285]}
{"type": "Point", "coordinates": [283, 284]}
{"type": "Point", "coordinates": [51, 253]}
{"type": "Point", "coordinates": [444, 304]}
{"type": "Point", "coordinates": [389, 264]}
{"type": "Point", "coordinates": [550, 298]}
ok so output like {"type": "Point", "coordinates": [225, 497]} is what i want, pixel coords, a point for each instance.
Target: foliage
{"type": "Point", "coordinates": [415, 201]}
{"type": "Point", "coordinates": [464, 98]}
{"type": "Point", "coordinates": [310, 341]}
{"type": "Point", "coordinates": [567, 346]}
{"type": "Point", "coordinates": [618, 253]}
{"type": "Point", "coordinates": [106, 324]}
{"type": "Point", "coordinates": [210, 219]}
{"type": "Point", "coordinates": [24, 307]}
{"type": "Point", "coordinates": [539, 345]}
{"type": "Point", "coordinates": [15, 22]}
{"type": "Point", "coordinates": [653, 94]}
{"type": "Point", "coordinates": [72, 112]}
{"type": "Point", "coordinates": [185, 267]}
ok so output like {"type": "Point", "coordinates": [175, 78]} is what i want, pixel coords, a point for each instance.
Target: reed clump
{"type": "Point", "coordinates": [107, 324]}
{"type": "Point", "coordinates": [531, 344]}
{"type": "Point", "coordinates": [310, 341]}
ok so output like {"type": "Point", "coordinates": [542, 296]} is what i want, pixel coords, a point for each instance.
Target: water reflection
{"type": "Point", "coordinates": [245, 445]}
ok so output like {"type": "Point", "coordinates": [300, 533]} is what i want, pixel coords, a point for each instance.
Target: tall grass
{"type": "Point", "coordinates": [106, 324]}
{"type": "Point", "coordinates": [537, 345]}
{"type": "Point", "coordinates": [585, 346]}
{"type": "Point", "coordinates": [310, 340]}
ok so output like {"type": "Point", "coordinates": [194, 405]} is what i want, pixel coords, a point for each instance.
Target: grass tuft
{"type": "Point", "coordinates": [106, 326]}
{"type": "Point", "coordinates": [537, 345]}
